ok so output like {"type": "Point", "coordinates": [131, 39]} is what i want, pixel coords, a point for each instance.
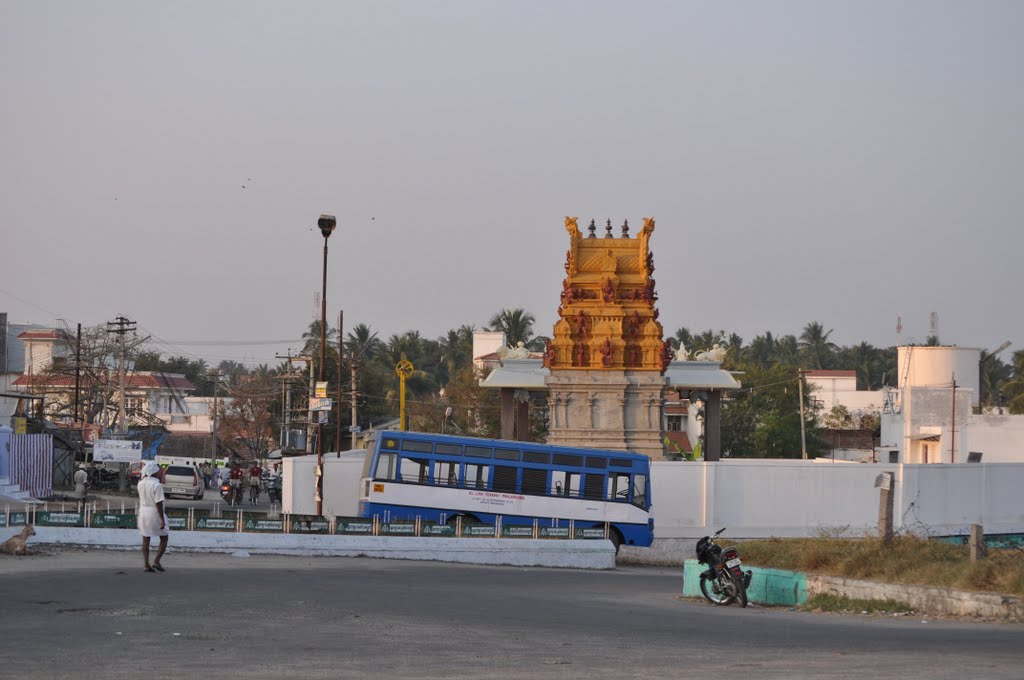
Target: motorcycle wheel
{"type": "Point", "coordinates": [718, 591]}
{"type": "Point", "coordinates": [741, 590]}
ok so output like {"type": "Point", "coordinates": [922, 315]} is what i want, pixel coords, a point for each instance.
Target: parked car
{"type": "Point", "coordinates": [182, 480]}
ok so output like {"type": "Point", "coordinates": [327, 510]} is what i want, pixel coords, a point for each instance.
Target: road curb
{"type": "Point", "coordinates": [491, 551]}
{"type": "Point", "coordinates": [791, 588]}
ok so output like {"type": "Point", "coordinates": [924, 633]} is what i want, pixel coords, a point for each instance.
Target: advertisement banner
{"type": "Point", "coordinates": [116, 451]}
{"type": "Point", "coordinates": [113, 520]}
{"type": "Point", "coordinates": [320, 404]}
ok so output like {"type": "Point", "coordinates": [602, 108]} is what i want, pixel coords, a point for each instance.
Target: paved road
{"type": "Point", "coordinates": [96, 614]}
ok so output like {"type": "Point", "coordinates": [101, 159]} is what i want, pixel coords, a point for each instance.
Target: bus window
{"type": "Point", "coordinates": [640, 490]}
{"type": "Point", "coordinates": [476, 476]}
{"type": "Point", "coordinates": [505, 478]}
{"type": "Point", "coordinates": [565, 483]}
{"type": "Point", "coordinates": [385, 467]}
{"type": "Point", "coordinates": [446, 473]}
{"type": "Point", "coordinates": [419, 447]}
{"type": "Point", "coordinates": [414, 471]}
{"type": "Point", "coordinates": [448, 449]}
{"type": "Point", "coordinates": [593, 486]}
{"type": "Point", "coordinates": [534, 481]}
{"type": "Point", "coordinates": [618, 486]}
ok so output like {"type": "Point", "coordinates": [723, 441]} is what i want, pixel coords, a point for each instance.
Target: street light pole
{"type": "Point", "coordinates": [327, 223]}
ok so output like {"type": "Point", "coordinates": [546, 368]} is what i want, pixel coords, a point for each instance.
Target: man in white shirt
{"type": "Point", "coordinates": [81, 478]}
{"type": "Point", "coordinates": [152, 518]}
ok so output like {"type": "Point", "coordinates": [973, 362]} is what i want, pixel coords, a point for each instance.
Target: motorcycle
{"type": "Point", "coordinates": [274, 489]}
{"type": "Point", "coordinates": [232, 495]}
{"type": "Point", "coordinates": [724, 582]}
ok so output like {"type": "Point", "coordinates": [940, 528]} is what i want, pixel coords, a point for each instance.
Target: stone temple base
{"type": "Point", "coordinates": [606, 409]}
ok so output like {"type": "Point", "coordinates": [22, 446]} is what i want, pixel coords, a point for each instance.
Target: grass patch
{"type": "Point", "coordinates": [908, 559]}
{"type": "Point", "coordinates": [847, 605]}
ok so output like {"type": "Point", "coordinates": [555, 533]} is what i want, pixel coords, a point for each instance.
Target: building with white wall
{"type": "Point", "coordinates": [930, 417]}
{"type": "Point", "coordinates": [839, 388]}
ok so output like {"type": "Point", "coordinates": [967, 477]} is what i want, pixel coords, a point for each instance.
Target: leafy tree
{"type": "Point", "coordinates": [1013, 389]}
{"type": "Point", "coordinates": [763, 420]}
{"type": "Point", "coordinates": [248, 420]}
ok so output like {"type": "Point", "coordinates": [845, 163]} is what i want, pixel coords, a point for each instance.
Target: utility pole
{"type": "Point", "coordinates": [355, 393]}
{"type": "Point", "coordinates": [952, 429]}
{"type": "Point", "coordinates": [341, 344]}
{"type": "Point", "coordinates": [121, 325]}
{"type": "Point", "coordinates": [78, 370]}
{"type": "Point", "coordinates": [803, 434]}
{"type": "Point", "coordinates": [215, 376]}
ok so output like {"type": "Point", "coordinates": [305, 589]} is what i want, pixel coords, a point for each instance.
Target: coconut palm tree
{"type": "Point", "coordinates": [517, 324]}
{"type": "Point", "coordinates": [815, 345]}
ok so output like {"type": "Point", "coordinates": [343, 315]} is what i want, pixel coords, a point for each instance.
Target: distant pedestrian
{"type": "Point", "coordinates": [152, 518]}
{"type": "Point", "coordinates": [81, 477]}
{"type": "Point", "coordinates": [206, 475]}
{"type": "Point", "coordinates": [216, 477]}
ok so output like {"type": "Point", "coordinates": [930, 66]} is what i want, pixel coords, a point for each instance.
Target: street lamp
{"type": "Point", "coordinates": [327, 223]}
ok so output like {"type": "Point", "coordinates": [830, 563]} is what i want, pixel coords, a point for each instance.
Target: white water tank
{"type": "Point", "coordinates": [921, 366]}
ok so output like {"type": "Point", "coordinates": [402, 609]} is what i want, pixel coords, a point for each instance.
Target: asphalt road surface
{"type": "Point", "coordinates": [74, 613]}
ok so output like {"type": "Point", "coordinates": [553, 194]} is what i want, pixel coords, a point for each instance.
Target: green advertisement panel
{"type": "Point", "coordinates": [59, 519]}
{"type": "Point", "coordinates": [398, 529]}
{"type": "Point", "coordinates": [588, 533]}
{"type": "Point", "coordinates": [445, 530]}
{"type": "Point", "coordinates": [517, 532]}
{"type": "Point", "coordinates": [259, 523]}
{"type": "Point", "coordinates": [554, 532]}
{"type": "Point", "coordinates": [353, 526]}
{"type": "Point", "coordinates": [308, 524]}
{"type": "Point", "coordinates": [177, 520]}
{"type": "Point", "coordinates": [226, 522]}
{"type": "Point", "coordinates": [113, 520]}
{"type": "Point", "coordinates": [478, 531]}
{"type": "Point", "coordinates": [15, 519]}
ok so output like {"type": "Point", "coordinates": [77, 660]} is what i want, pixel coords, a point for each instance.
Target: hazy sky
{"type": "Point", "coordinates": [845, 162]}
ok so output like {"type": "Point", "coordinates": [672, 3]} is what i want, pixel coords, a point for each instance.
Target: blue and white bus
{"type": "Point", "coordinates": [439, 478]}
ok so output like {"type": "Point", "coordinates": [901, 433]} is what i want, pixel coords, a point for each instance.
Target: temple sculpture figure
{"type": "Point", "coordinates": [607, 356]}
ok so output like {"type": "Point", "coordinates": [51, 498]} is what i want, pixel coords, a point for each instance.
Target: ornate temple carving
{"type": "Point", "coordinates": [607, 317]}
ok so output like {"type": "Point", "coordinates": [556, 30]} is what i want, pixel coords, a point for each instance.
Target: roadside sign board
{"type": "Point", "coordinates": [59, 519]}
{"type": "Point", "coordinates": [321, 390]}
{"type": "Point", "coordinates": [308, 524]}
{"type": "Point", "coordinates": [116, 451]}
{"type": "Point", "coordinates": [113, 520]}
{"type": "Point", "coordinates": [351, 525]}
{"type": "Point", "coordinates": [259, 523]}
{"type": "Point", "coordinates": [320, 404]}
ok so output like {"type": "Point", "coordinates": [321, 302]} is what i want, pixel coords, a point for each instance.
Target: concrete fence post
{"type": "Point", "coordinates": [977, 542]}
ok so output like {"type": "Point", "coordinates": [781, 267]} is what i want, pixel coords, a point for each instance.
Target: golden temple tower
{"type": "Point", "coordinates": [607, 357]}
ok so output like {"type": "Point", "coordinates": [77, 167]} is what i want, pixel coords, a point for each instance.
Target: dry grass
{"type": "Point", "coordinates": [908, 559]}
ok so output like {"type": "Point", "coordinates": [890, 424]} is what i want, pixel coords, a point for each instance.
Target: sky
{"type": "Point", "coordinates": [850, 163]}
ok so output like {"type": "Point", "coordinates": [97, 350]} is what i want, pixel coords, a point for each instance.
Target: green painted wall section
{"type": "Point", "coordinates": [767, 586]}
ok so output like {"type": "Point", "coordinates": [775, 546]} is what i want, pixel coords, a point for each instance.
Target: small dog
{"type": "Point", "coordinates": [16, 545]}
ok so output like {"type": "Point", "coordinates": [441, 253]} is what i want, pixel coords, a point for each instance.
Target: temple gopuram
{"type": "Point", "coordinates": [607, 358]}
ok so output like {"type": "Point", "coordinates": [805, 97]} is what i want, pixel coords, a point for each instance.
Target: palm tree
{"type": "Point", "coordinates": [457, 348]}
{"type": "Point", "coordinates": [517, 324]}
{"type": "Point", "coordinates": [787, 350]}
{"type": "Point", "coordinates": [815, 344]}
{"type": "Point", "coordinates": [311, 347]}
{"type": "Point", "coordinates": [362, 343]}
{"type": "Point", "coordinates": [762, 350]}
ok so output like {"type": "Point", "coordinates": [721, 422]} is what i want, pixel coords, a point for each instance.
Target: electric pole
{"type": "Point", "coordinates": [803, 435]}
{"type": "Point", "coordinates": [121, 325]}
{"type": "Point", "coordinates": [341, 353]}
{"type": "Point", "coordinates": [215, 377]}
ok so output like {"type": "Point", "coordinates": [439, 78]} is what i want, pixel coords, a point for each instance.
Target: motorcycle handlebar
{"type": "Point", "coordinates": [719, 531]}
